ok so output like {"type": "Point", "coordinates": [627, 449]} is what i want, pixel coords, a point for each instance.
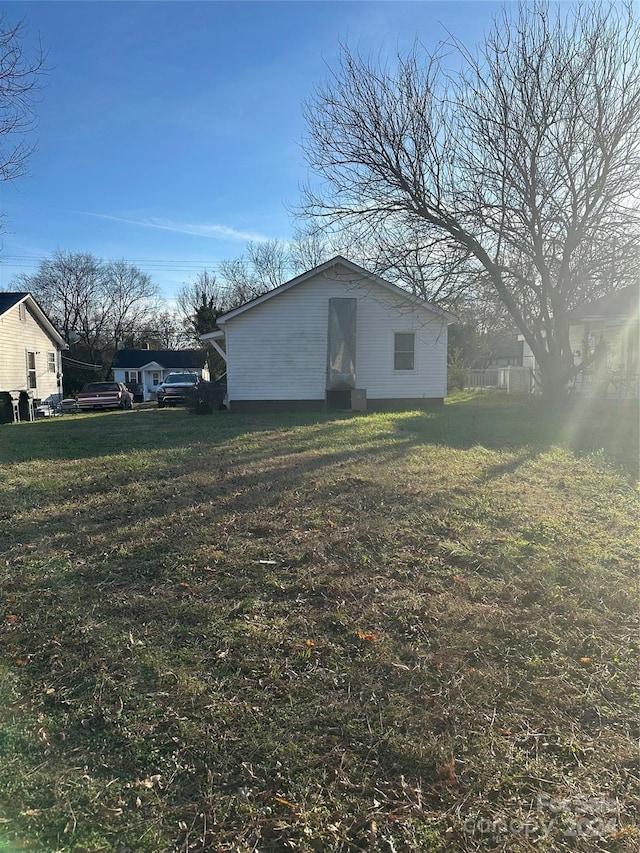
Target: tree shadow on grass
{"type": "Point", "coordinates": [500, 423]}
{"type": "Point", "coordinates": [172, 437]}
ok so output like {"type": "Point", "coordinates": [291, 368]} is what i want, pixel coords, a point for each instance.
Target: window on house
{"type": "Point", "coordinates": [404, 351]}
{"type": "Point", "coordinates": [131, 376]}
{"type": "Point", "coordinates": [22, 312]}
{"type": "Point", "coordinates": [51, 362]}
{"type": "Point", "coordinates": [31, 370]}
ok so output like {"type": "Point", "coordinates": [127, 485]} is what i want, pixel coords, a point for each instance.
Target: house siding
{"type": "Point", "coordinates": [278, 349]}
{"type": "Point", "coordinates": [17, 338]}
{"type": "Point", "coordinates": [617, 373]}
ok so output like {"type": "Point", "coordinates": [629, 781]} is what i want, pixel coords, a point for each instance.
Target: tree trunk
{"type": "Point", "coordinates": [554, 377]}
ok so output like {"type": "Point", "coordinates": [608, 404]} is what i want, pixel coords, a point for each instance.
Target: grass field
{"type": "Point", "coordinates": [399, 632]}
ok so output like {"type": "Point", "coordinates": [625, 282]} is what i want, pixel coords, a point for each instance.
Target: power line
{"type": "Point", "coordinates": [150, 264]}
{"type": "Point", "coordinates": [84, 364]}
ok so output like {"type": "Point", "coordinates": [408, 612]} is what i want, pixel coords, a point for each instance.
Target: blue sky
{"type": "Point", "coordinates": [169, 132]}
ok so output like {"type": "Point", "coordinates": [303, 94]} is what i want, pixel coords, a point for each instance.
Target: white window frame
{"type": "Point", "coordinates": [51, 362]}
{"type": "Point", "coordinates": [32, 372]}
{"type": "Point", "coordinates": [404, 370]}
{"type": "Point", "coordinates": [22, 312]}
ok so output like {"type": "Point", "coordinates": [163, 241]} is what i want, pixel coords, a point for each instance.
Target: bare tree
{"type": "Point", "coordinates": [270, 263]}
{"type": "Point", "coordinates": [520, 167]}
{"type": "Point", "coordinates": [163, 330]}
{"type": "Point", "coordinates": [309, 248]}
{"type": "Point", "coordinates": [200, 303]}
{"type": "Point", "coordinates": [239, 281]}
{"type": "Point", "coordinates": [130, 300]}
{"type": "Point", "coordinates": [265, 265]}
{"type": "Point", "coordinates": [20, 74]}
{"type": "Point", "coordinates": [68, 286]}
{"type": "Point", "coordinates": [95, 305]}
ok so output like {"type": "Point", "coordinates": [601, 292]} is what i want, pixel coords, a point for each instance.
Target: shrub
{"type": "Point", "coordinates": [205, 398]}
{"type": "Point", "coordinates": [456, 372]}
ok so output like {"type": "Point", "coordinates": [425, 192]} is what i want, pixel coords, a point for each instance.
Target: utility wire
{"type": "Point", "coordinates": [81, 363]}
{"type": "Point", "coordinates": [152, 264]}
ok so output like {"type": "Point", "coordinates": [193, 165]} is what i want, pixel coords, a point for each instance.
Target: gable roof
{"type": "Point", "coordinates": [8, 300]}
{"type": "Point", "coordinates": [623, 303]}
{"type": "Point", "coordinates": [12, 299]}
{"type": "Point", "coordinates": [361, 272]}
{"type": "Point", "coordinates": [135, 359]}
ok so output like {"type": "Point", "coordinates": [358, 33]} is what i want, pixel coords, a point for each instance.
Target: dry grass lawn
{"type": "Point", "coordinates": [402, 632]}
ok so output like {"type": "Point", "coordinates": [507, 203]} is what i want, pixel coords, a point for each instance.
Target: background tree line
{"type": "Point", "coordinates": [501, 181]}
{"type": "Point", "coordinates": [101, 306]}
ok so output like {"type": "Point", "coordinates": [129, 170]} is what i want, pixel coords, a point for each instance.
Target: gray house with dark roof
{"type": "Point", "coordinates": [142, 370]}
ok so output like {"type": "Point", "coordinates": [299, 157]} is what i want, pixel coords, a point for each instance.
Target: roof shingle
{"type": "Point", "coordinates": [132, 359]}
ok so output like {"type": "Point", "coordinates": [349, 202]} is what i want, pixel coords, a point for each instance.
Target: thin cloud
{"type": "Point", "coordinates": [213, 232]}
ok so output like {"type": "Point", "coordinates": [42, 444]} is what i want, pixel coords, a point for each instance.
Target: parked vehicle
{"type": "Point", "coordinates": [174, 388]}
{"type": "Point", "coordinates": [105, 395]}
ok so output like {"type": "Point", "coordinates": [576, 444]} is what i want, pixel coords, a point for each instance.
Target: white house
{"type": "Point", "coordinates": [30, 350]}
{"type": "Point", "coordinates": [337, 337]}
{"type": "Point", "coordinates": [609, 329]}
{"type": "Point", "coordinates": [142, 370]}
{"type": "Point", "coordinates": [605, 334]}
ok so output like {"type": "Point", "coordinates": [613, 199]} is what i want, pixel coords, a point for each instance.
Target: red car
{"type": "Point", "coordinates": [105, 395]}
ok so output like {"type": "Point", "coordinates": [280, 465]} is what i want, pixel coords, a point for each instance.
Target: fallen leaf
{"type": "Point", "coordinates": [622, 832]}
{"type": "Point", "coordinates": [12, 618]}
{"type": "Point", "coordinates": [585, 660]}
{"type": "Point", "coordinates": [446, 773]}
{"type": "Point", "coordinates": [367, 636]}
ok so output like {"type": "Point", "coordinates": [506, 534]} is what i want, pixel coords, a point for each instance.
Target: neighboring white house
{"type": "Point", "coordinates": [335, 336]}
{"type": "Point", "coordinates": [30, 349]}
{"type": "Point", "coordinates": [142, 370]}
{"type": "Point", "coordinates": [609, 329]}
{"type": "Point", "coordinates": [605, 333]}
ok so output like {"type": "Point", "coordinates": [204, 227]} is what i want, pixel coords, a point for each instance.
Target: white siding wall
{"type": "Point", "coordinates": [17, 337]}
{"type": "Point", "coordinates": [278, 350]}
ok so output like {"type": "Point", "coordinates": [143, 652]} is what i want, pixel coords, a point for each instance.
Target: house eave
{"type": "Point", "coordinates": [218, 335]}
